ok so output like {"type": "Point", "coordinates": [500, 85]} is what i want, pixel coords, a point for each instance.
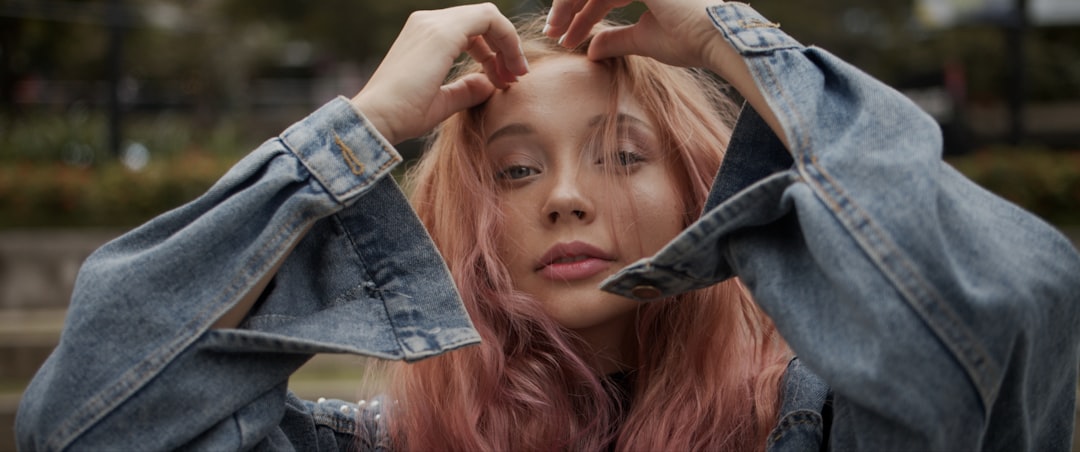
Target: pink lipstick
{"type": "Point", "coordinates": [573, 261]}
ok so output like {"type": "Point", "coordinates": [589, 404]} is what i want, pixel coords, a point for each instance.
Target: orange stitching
{"type": "Point", "coordinates": [355, 165]}
{"type": "Point", "coordinates": [754, 23]}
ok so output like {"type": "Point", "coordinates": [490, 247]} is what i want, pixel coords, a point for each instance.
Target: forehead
{"type": "Point", "coordinates": [560, 90]}
{"type": "Point", "coordinates": [557, 76]}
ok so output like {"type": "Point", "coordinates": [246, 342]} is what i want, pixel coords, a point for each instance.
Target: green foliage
{"type": "Point", "coordinates": [53, 194]}
{"type": "Point", "coordinates": [78, 136]}
{"type": "Point", "coordinates": [1046, 183]}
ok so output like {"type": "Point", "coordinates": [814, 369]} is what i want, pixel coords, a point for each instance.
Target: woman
{"type": "Point", "coordinates": [925, 303]}
{"type": "Point", "coordinates": [562, 198]}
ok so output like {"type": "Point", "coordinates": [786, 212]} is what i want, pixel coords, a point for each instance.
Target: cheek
{"type": "Point", "coordinates": [511, 232]}
{"type": "Point", "coordinates": [660, 213]}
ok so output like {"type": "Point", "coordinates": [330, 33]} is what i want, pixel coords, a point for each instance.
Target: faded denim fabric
{"type": "Point", "coordinates": [939, 316]}
{"type": "Point", "coordinates": [137, 366]}
{"type": "Point", "coordinates": [803, 411]}
{"type": "Point", "coordinates": [942, 317]}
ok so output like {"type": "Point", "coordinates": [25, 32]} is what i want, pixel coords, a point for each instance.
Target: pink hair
{"type": "Point", "coordinates": [709, 362]}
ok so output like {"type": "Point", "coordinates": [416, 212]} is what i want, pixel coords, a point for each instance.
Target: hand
{"type": "Point", "coordinates": [674, 32]}
{"type": "Point", "coordinates": [406, 97]}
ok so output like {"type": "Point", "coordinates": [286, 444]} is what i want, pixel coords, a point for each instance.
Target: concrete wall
{"type": "Point", "coordinates": [38, 268]}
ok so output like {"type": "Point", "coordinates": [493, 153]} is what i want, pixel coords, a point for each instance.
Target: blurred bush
{"type": "Point", "coordinates": [77, 136]}
{"type": "Point", "coordinates": [57, 194]}
{"type": "Point", "coordinates": [38, 193]}
{"type": "Point", "coordinates": [1046, 183]}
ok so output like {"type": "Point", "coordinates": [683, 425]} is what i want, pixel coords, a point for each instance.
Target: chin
{"type": "Point", "coordinates": [592, 312]}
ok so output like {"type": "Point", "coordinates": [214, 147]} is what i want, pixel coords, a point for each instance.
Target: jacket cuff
{"type": "Point", "coordinates": [748, 31]}
{"type": "Point", "coordinates": [341, 149]}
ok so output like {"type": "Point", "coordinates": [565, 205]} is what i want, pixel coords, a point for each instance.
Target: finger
{"type": "Point", "coordinates": [502, 63]}
{"type": "Point", "coordinates": [560, 16]}
{"type": "Point", "coordinates": [481, 52]}
{"type": "Point", "coordinates": [465, 92]}
{"type": "Point", "coordinates": [620, 41]}
{"type": "Point", "coordinates": [501, 37]}
{"type": "Point", "coordinates": [592, 13]}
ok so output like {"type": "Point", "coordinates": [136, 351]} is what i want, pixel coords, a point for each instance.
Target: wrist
{"type": "Point", "coordinates": [365, 108]}
{"type": "Point", "coordinates": [727, 61]}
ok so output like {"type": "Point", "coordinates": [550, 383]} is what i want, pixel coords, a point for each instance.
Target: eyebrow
{"type": "Point", "coordinates": [518, 128]}
{"type": "Point", "coordinates": [620, 118]}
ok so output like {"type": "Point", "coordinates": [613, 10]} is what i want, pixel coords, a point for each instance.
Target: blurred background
{"type": "Point", "coordinates": [112, 111]}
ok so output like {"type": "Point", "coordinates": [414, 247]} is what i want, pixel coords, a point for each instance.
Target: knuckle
{"type": "Point", "coordinates": [488, 9]}
{"type": "Point", "coordinates": [419, 17]}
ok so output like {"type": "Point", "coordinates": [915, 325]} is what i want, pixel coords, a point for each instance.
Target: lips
{"type": "Point", "coordinates": [573, 261]}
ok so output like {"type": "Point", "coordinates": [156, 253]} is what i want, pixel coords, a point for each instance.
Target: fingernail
{"type": "Point", "coordinates": [547, 28]}
{"type": "Point", "coordinates": [521, 51]}
{"type": "Point", "coordinates": [562, 39]}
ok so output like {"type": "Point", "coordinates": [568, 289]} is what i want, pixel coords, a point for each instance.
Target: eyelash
{"type": "Point", "coordinates": [507, 173]}
{"type": "Point", "coordinates": [627, 155]}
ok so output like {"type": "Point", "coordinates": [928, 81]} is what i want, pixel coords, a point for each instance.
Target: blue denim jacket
{"type": "Point", "coordinates": [940, 316]}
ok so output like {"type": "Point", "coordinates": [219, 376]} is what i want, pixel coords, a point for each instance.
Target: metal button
{"type": "Point", "coordinates": [645, 292]}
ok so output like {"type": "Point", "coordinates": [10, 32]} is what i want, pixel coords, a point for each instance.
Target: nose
{"type": "Point", "coordinates": [568, 200]}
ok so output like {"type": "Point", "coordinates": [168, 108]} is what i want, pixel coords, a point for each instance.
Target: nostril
{"type": "Point", "coordinates": [579, 214]}
{"type": "Point", "coordinates": [553, 216]}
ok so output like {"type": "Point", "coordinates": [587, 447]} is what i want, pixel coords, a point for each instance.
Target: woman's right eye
{"type": "Point", "coordinates": [516, 172]}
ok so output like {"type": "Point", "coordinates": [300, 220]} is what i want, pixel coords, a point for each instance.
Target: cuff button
{"type": "Point", "coordinates": [645, 292]}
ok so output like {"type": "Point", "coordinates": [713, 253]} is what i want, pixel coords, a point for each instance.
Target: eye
{"type": "Point", "coordinates": [623, 158]}
{"type": "Point", "coordinates": [516, 172]}
{"type": "Point", "coordinates": [627, 158]}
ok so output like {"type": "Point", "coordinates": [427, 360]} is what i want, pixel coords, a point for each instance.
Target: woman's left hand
{"type": "Point", "coordinates": [675, 32]}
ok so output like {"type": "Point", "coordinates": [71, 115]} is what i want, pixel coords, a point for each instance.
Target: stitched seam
{"type": "Point", "coordinates": [754, 23]}
{"type": "Point", "coordinates": [751, 196]}
{"type": "Point", "coordinates": [369, 277]}
{"type": "Point", "coordinates": [393, 159]}
{"type": "Point", "coordinates": [732, 12]}
{"type": "Point", "coordinates": [137, 377]}
{"type": "Point", "coordinates": [919, 294]}
{"type": "Point", "coordinates": [366, 182]}
{"type": "Point", "coordinates": [795, 419]}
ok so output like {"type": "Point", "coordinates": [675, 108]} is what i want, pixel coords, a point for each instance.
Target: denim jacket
{"type": "Point", "coordinates": [937, 316]}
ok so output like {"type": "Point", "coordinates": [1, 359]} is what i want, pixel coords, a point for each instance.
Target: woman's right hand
{"type": "Point", "coordinates": [406, 97]}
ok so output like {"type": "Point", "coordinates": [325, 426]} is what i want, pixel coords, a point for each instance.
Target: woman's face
{"type": "Point", "coordinates": [570, 219]}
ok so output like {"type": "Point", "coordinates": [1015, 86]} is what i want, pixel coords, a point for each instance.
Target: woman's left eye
{"type": "Point", "coordinates": [624, 158]}
{"type": "Point", "coordinates": [516, 172]}
{"type": "Point", "coordinates": [627, 158]}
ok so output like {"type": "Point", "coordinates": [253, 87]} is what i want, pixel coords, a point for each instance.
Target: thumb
{"type": "Point", "coordinates": [465, 92]}
{"type": "Point", "coordinates": [614, 42]}
{"type": "Point", "coordinates": [636, 39]}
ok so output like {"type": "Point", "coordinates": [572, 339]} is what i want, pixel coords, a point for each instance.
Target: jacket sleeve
{"type": "Point", "coordinates": [943, 317]}
{"type": "Point", "coordinates": [138, 366]}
